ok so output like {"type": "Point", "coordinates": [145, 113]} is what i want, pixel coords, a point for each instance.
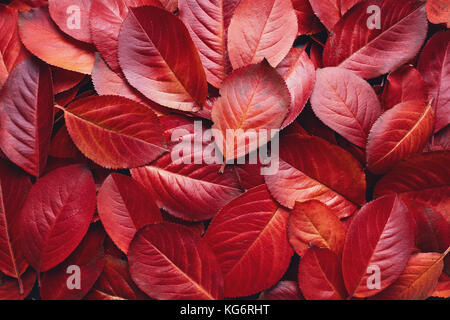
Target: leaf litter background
{"type": "Point", "coordinates": [86, 176]}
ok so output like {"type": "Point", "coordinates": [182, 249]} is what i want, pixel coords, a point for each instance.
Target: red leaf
{"type": "Point", "coordinates": [250, 231]}
{"type": "Point", "coordinates": [320, 277]}
{"type": "Point", "coordinates": [307, 21]}
{"type": "Point", "coordinates": [373, 52]}
{"type": "Point", "coordinates": [36, 28]}
{"type": "Point", "coordinates": [399, 133]}
{"type": "Point", "coordinates": [56, 216]}
{"type": "Point", "coordinates": [418, 280]}
{"type": "Point", "coordinates": [440, 141]}
{"type": "Point", "coordinates": [298, 72]}
{"type": "Point", "coordinates": [438, 11]}
{"type": "Point", "coordinates": [207, 22]}
{"type": "Point", "coordinates": [88, 257]}
{"type": "Point", "coordinates": [443, 287]}
{"type": "Point", "coordinates": [404, 84]}
{"type": "Point", "coordinates": [311, 168]}
{"type": "Point", "coordinates": [27, 116]}
{"type": "Point", "coordinates": [115, 283]}
{"type": "Point", "coordinates": [434, 65]}
{"type": "Point", "coordinates": [64, 80]}
{"type": "Point", "coordinates": [106, 18]}
{"type": "Point", "coordinates": [14, 188]}
{"type": "Point", "coordinates": [331, 11]}
{"type": "Point", "coordinates": [12, 51]}
{"type": "Point", "coordinates": [62, 146]}
{"type": "Point", "coordinates": [313, 223]}
{"type": "Point", "coordinates": [150, 41]}
{"type": "Point", "coordinates": [283, 290]}
{"type": "Point", "coordinates": [266, 30]}
{"type": "Point", "coordinates": [129, 132]}
{"type": "Point", "coordinates": [169, 262]}
{"type": "Point", "coordinates": [254, 98]}
{"type": "Point", "coordinates": [9, 290]}
{"type": "Point", "coordinates": [124, 207]}
{"type": "Point", "coordinates": [379, 243]}
{"type": "Point", "coordinates": [184, 187]}
{"type": "Point", "coordinates": [346, 103]}
{"type": "Point", "coordinates": [72, 17]}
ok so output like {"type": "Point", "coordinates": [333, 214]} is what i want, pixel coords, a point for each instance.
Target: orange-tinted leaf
{"type": "Point", "coordinates": [250, 231]}
{"type": "Point", "coordinates": [64, 80]}
{"type": "Point", "coordinates": [254, 98]}
{"type": "Point", "coordinates": [56, 215]}
{"type": "Point", "coordinates": [115, 132]}
{"type": "Point", "coordinates": [319, 275]}
{"type": "Point", "coordinates": [27, 115]}
{"type": "Point", "coordinates": [207, 22]}
{"type": "Point", "coordinates": [346, 103]}
{"type": "Point", "coordinates": [72, 17]}
{"type": "Point", "coordinates": [298, 72]}
{"type": "Point", "coordinates": [168, 261]}
{"type": "Point", "coordinates": [443, 287]}
{"type": "Point", "coordinates": [36, 28]}
{"type": "Point", "coordinates": [313, 223]}
{"type": "Point", "coordinates": [150, 42]}
{"type": "Point", "coordinates": [379, 242]}
{"type": "Point", "coordinates": [418, 280]}
{"type": "Point", "coordinates": [371, 52]}
{"type": "Point", "coordinates": [434, 65]}
{"type": "Point", "coordinates": [124, 207]}
{"type": "Point", "coordinates": [264, 30]}
{"type": "Point", "coordinates": [438, 11]}
{"type": "Point", "coordinates": [399, 133]}
{"type": "Point", "coordinates": [311, 168]}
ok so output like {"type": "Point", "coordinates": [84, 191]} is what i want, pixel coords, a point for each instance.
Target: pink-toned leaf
{"type": "Point", "coordinates": [331, 11]}
{"type": "Point", "coordinates": [115, 132]}
{"type": "Point", "coordinates": [36, 28]}
{"type": "Point", "coordinates": [298, 72]}
{"type": "Point", "coordinates": [14, 188]}
{"type": "Point", "coordinates": [89, 257]}
{"type": "Point", "coordinates": [250, 231]}
{"type": "Point", "coordinates": [346, 103]}
{"type": "Point", "coordinates": [434, 65]}
{"type": "Point", "coordinates": [371, 52]}
{"type": "Point", "coordinates": [26, 116]}
{"type": "Point", "coordinates": [106, 18]}
{"type": "Point", "coordinates": [418, 280]}
{"type": "Point", "coordinates": [283, 290]}
{"type": "Point", "coordinates": [404, 84]}
{"type": "Point", "coordinates": [124, 207]}
{"type": "Point", "coordinates": [302, 175]}
{"type": "Point", "coordinates": [320, 276]}
{"type": "Point", "coordinates": [399, 133]}
{"type": "Point", "coordinates": [379, 241]}
{"type": "Point", "coordinates": [56, 215]}
{"type": "Point", "coordinates": [207, 22]}
{"type": "Point", "coordinates": [254, 98]}
{"type": "Point", "coordinates": [263, 31]}
{"type": "Point", "coordinates": [150, 43]}
{"type": "Point", "coordinates": [168, 261]}
{"type": "Point", "coordinates": [313, 223]}
{"type": "Point", "coordinates": [73, 21]}
{"type": "Point", "coordinates": [186, 188]}
{"type": "Point", "coordinates": [440, 141]}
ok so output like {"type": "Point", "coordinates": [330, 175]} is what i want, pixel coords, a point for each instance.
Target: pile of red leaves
{"type": "Point", "coordinates": [93, 205]}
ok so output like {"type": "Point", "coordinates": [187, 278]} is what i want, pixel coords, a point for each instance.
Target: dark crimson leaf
{"type": "Point", "coordinates": [27, 116]}
{"type": "Point", "coordinates": [250, 231]}
{"type": "Point", "coordinates": [56, 216]}
{"type": "Point", "coordinates": [379, 242]}
{"type": "Point", "coordinates": [9, 289]}
{"type": "Point", "coordinates": [168, 261]}
{"type": "Point", "coordinates": [283, 290]}
{"type": "Point", "coordinates": [307, 21]}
